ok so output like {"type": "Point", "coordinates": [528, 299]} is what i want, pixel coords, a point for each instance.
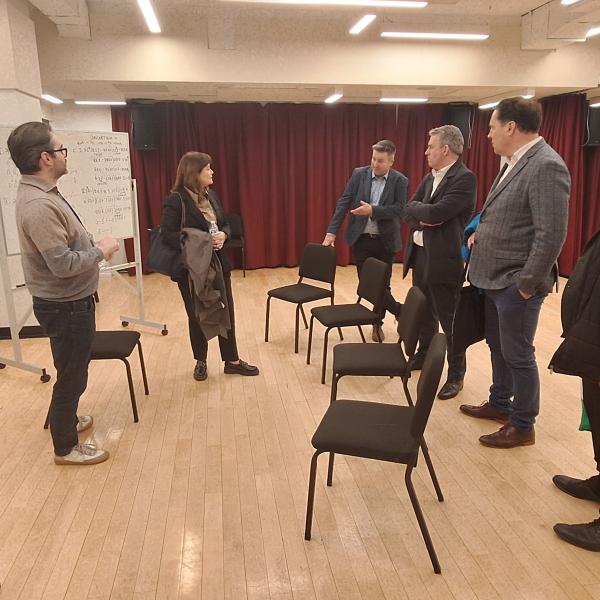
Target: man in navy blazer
{"type": "Point", "coordinates": [437, 215]}
{"type": "Point", "coordinates": [375, 196]}
{"type": "Point", "coordinates": [521, 231]}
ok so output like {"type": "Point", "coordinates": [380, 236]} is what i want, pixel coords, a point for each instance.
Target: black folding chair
{"type": "Point", "coordinates": [318, 263]}
{"type": "Point", "coordinates": [382, 432]}
{"type": "Point", "coordinates": [372, 284]}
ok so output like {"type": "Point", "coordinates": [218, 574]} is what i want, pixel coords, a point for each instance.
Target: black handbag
{"type": "Point", "coordinates": [468, 326]}
{"type": "Point", "coordinates": [163, 258]}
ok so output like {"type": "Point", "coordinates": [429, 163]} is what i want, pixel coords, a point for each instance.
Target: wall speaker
{"type": "Point", "coordinates": [593, 127]}
{"type": "Point", "coordinates": [145, 126]}
{"type": "Point", "coordinates": [460, 115]}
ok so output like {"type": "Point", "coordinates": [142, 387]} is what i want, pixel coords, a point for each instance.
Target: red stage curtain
{"type": "Point", "coordinates": [283, 166]}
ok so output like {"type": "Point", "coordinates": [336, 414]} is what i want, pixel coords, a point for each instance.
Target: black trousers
{"type": "Point", "coordinates": [442, 299]}
{"type": "Point", "coordinates": [228, 345]}
{"type": "Point", "coordinates": [71, 327]}
{"type": "Point", "coordinates": [367, 247]}
{"type": "Point", "coordinates": [591, 401]}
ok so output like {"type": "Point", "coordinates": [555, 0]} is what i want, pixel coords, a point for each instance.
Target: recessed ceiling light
{"type": "Point", "coordinates": [333, 98]}
{"type": "Point", "coordinates": [149, 15]}
{"type": "Point", "coordinates": [101, 102]}
{"type": "Point", "coordinates": [568, 2]}
{"type": "Point", "coordinates": [592, 32]}
{"type": "Point", "coordinates": [378, 3]}
{"type": "Point", "coordinates": [402, 100]}
{"type": "Point", "coordinates": [366, 20]}
{"type": "Point", "coordinates": [417, 35]}
{"type": "Point", "coordinates": [52, 99]}
{"type": "Point", "coordinates": [489, 105]}
{"type": "Point", "coordinates": [595, 105]}
{"type": "Point", "coordinates": [527, 96]}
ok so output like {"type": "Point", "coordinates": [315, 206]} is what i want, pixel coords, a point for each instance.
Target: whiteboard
{"type": "Point", "coordinates": [98, 184]}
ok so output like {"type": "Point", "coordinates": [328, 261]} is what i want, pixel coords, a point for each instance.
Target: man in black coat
{"type": "Point", "coordinates": [375, 196]}
{"type": "Point", "coordinates": [437, 214]}
{"type": "Point", "coordinates": [579, 354]}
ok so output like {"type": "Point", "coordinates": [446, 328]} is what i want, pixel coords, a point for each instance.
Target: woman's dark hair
{"type": "Point", "coordinates": [26, 144]}
{"type": "Point", "coordinates": [188, 169]}
{"type": "Point", "coordinates": [527, 114]}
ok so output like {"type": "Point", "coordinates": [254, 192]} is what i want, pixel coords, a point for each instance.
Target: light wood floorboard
{"type": "Point", "coordinates": [205, 497]}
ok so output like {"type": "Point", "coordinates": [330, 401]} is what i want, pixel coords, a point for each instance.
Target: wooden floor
{"type": "Point", "coordinates": [205, 497]}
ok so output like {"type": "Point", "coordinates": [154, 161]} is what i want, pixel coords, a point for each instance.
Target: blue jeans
{"type": "Point", "coordinates": [71, 327]}
{"type": "Point", "coordinates": [510, 326]}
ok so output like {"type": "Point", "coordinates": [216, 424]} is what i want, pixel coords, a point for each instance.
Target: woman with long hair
{"type": "Point", "coordinates": [191, 193]}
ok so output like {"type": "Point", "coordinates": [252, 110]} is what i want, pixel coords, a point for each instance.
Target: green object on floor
{"type": "Point", "coordinates": [585, 422]}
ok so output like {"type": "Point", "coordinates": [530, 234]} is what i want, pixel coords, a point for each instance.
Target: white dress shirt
{"type": "Point", "coordinates": [517, 155]}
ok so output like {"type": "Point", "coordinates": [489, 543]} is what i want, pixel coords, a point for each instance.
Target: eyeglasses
{"type": "Point", "coordinates": [63, 151]}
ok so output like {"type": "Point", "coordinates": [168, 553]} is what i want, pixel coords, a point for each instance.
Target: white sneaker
{"type": "Point", "coordinates": [82, 454]}
{"type": "Point", "coordinates": [84, 422]}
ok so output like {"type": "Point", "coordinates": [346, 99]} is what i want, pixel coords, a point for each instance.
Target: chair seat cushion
{"type": "Point", "coordinates": [344, 315]}
{"type": "Point", "coordinates": [367, 429]}
{"type": "Point", "coordinates": [114, 344]}
{"type": "Point", "coordinates": [299, 293]}
{"type": "Point", "coordinates": [369, 359]}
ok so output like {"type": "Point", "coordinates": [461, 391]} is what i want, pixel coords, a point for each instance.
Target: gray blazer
{"type": "Point", "coordinates": [387, 214]}
{"type": "Point", "coordinates": [523, 225]}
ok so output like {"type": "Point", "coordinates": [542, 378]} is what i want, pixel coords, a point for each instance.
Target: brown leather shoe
{"type": "Point", "coordinates": [377, 335]}
{"type": "Point", "coordinates": [509, 436]}
{"type": "Point", "coordinates": [484, 411]}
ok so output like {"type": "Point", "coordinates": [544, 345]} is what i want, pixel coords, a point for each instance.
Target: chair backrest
{"type": "Point", "coordinates": [318, 262]}
{"type": "Point", "coordinates": [429, 382]}
{"type": "Point", "coordinates": [411, 317]}
{"type": "Point", "coordinates": [372, 282]}
{"type": "Point", "coordinates": [236, 225]}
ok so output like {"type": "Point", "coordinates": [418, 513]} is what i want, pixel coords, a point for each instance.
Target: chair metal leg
{"type": "Point", "coordinates": [334, 386]}
{"type": "Point", "coordinates": [324, 367]}
{"type": "Point", "coordinates": [339, 328]}
{"type": "Point", "coordinates": [407, 392]}
{"type": "Point", "coordinates": [131, 391]}
{"type": "Point", "coordinates": [432, 474]}
{"type": "Point", "coordinates": [303, 317]}
{"type": "Point", "coordinates": [297, 328]}
{"type": "Point", "coordinates": [244, 261]}
{"type": "Point", "coordinates": [330, 469]}
{"type": "Point", "coordinates": [311, 495]}
{"type": "Point", "coordinates": [362, 335]}
{"type": "Point", "coordinates": [421, 520]}
{"type": "Point", "coordinates": [268, 312]}
{"type": "Point", "coordinates": [47, 421]}
{"type": "Point", "coordinates": [310, 332]}
{"type": "Point", "coordinates": [144, 378]}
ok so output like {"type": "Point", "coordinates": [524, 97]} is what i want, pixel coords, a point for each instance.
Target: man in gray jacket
{"type": "Point", "coordinates": [521, 232]}
{"type": "Point", "coordinates": [375, 197]}
{"type": "Point", "coordinates": [60, 264]}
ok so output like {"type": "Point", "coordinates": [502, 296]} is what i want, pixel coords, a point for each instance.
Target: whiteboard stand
{"type": "Point", "coordinates": [139, 288]}
{"type": "Point", "coordinates": [14, 324]}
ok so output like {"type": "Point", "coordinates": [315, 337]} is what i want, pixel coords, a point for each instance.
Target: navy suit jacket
{"type": "Point", "coordinates": [386, 214]}
{"type": "Point", "coordinates": [451, 205]}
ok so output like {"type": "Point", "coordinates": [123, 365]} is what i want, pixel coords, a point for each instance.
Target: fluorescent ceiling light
{"type": "Point", "coordinates": [418, 35]}
{"type": "Point", "coordinates": [377, 3]}
{"type": "Point", "coordinates": [568, 2]}
{"type": "Point", "coordinates": [402, 100]}
{"type": "Point", "coordinates": [489, 105]}
{"type": "Point", "coordinates": [527, 96]}
{"type": "Point", "coordinates": [101, 102]}
{"type": "Point", "coordinates": [149, 15]}
{"type": "Point", "coordinates": [366, 20]}
{"type": "Point", "coordinates": [52, 99]}
{"type": "Point", "coordinates": [592, 32]}
{"type": "Point", "coordinates": [333, 98]}
{"type": "Point", "coordinates": [595, 105]}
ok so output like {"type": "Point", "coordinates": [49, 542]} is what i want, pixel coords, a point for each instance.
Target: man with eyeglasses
{"type": "Point", "coordinates": [60, 263]}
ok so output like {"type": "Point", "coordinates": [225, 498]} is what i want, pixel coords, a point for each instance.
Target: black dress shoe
{"type": "Point", "coordinates": [585, 535]}
{"type": "Point", "coordinates": [200, 372]}
{"type": "Point", "coordinates": [450, 389]}
{"type": "Point", "coordinates": [241, 368]}
{"type": "Point", "coordinates": [416, 364]}
{"type": "Point", "coordinates": [585, 489]}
